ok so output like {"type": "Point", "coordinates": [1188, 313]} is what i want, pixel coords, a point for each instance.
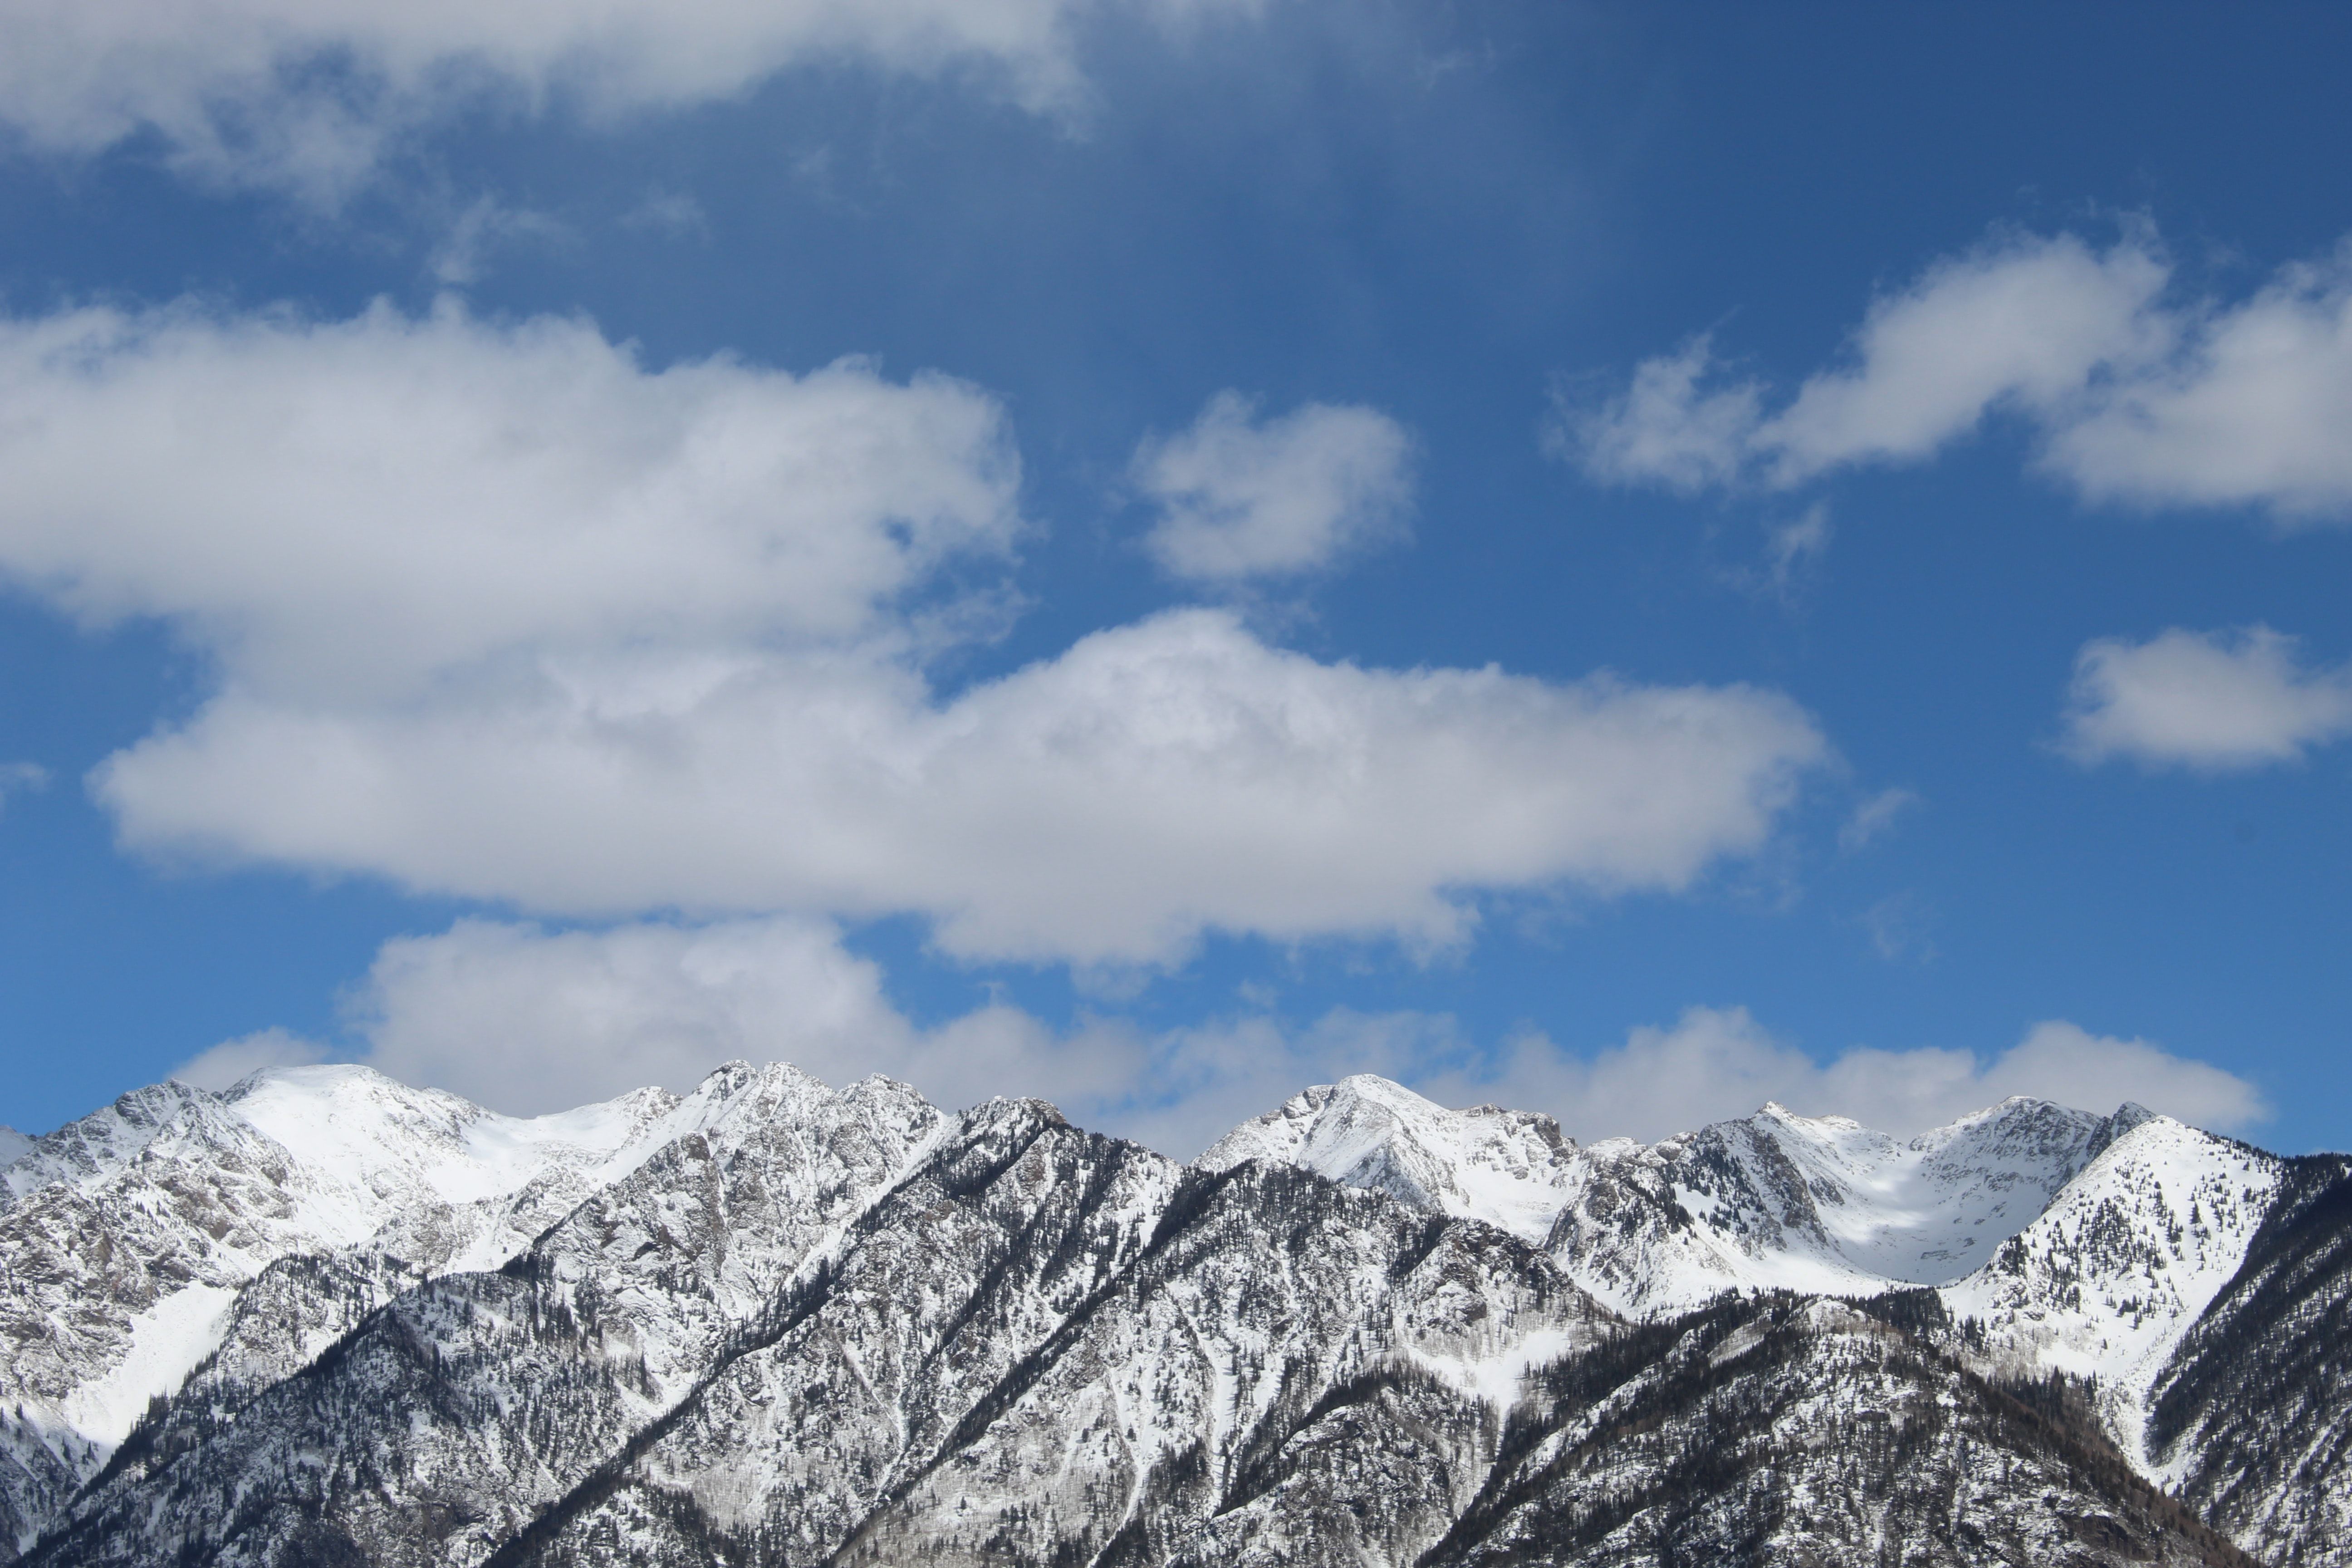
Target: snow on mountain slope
{"type": "Point", "coordinates": [2247, 1422]}
{"type": "Point", "coordinates": [465, 1187]}
{"type": "Point", "coordinates": [768, 1170]}
{"type": "Point", "coordinates": [1505, 1167]}
{"type": "Point", "coordinates": [389, 1327]}
{"type": "Point", "coordinates": [501, 1390]}
{"type": "Point", "coordinates": [102, 1141]}
{"type": "Point", "coordinates": [129, 1234]}
{"type": "Point", "coordinates": [1035, 1339]}
{"type": "Point", "coordinates": [14, 1146]}
{"type": "Point", "coordinates": [2119, 1266]}
{"type": "Point", "coordinates": [1775, 1201]}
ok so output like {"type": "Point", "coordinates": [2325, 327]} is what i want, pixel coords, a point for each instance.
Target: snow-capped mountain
{"type": "Point", "coordinates": [2246, 1418]}
{"type": "Point", "coordinates": [1777, 1201]}
{"type": "Point", "coordinates": [324, 1318]}
{"type": "Point", "coordinates": [2077, 1244]}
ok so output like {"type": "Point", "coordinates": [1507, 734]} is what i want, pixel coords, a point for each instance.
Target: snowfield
{"type": "Point", "coordinates": [321, 1316]}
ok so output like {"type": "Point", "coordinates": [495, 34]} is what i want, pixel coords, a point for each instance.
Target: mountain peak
{"type": "Point", "coordinates": [955, 1274]}
{"type": "Point", "coordinates": [1485, 1164]}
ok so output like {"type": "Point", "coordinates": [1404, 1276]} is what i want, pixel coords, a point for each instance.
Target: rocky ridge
{"type": "Point", "coordinates": [324, 1318]}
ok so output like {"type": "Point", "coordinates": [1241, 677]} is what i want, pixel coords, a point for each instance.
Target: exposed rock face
{"type": "Point", "coordinates": [2249, 1414]}
{"type": "Point", "coordinates": [324, 1319]}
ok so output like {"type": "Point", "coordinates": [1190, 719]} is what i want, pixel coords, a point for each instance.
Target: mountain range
{"type": "Point", "coordinates": [322, 1317]}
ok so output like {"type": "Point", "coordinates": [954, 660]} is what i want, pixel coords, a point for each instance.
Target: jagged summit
{"type": "Point", "coordinates": [1501, 1166]}
{"type": "Point", "coordinates": [307, 1317]}
{"type": "Point", "coordinates": [1775, 1199]}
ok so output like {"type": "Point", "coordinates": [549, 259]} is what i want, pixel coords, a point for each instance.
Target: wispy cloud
{"type": "Point", "coordinates": [1875, 817]}
{"type": "Point", "coordinates": [18, 778]}
{"type": "Point", "coordinates": [1898, 925]}
{"type": "Point", "coordinates": [311, 98]}
{"type": "Point", "coordinates": [465, 252]}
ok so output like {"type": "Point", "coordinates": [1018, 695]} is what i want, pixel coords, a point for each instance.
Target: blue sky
{"type": "Point", "coordinates": [1626, 560]}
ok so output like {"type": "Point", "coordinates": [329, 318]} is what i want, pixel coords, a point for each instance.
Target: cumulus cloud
{"type": "Point", "coordinates": [1716, 1063]}
{"type": "Point", "coordinates": [1199, 1082]}
{"type": "Point", "coordinates": [1241, 498]}
{"type": "Point", "coordinates": [225, 1063]}
{"type": "Point", "coordinates": [2256, 409]}
{"type": "Point", "coordinates": [356, 509]}
{"type": "Point", "coordinates": [496, 611]}
{"type": "Point", "coordinates": [2212, 701]}
{"type": "Point", "coordinates": [528, 1020]}
{"type": "Point", "coordinates": [309, 94]}
{"type": "Point", "coordinates": [2024, 323]}
{"type": "Point", "coordinates": [1106, 805]}
{"type": "Point", "coordinates": [2136, 395]}
{"type": "Point", "coordinates": [1713, 1065]}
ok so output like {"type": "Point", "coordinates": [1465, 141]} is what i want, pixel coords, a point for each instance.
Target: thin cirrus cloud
{"type": "Point", "coordinates": [496, 611]}
{"type": "Point", "coordinates": [528, 1020]}
{"type": "Point", "coordinates": [1240, 498]}
{"type": "Point", "coordinates": [2139, 395]}
{"type": "Point", "coordinates": [310, 95]}
{"type": "Point", "coordinates": [1875, 817]}
{"type": "Point", "coordinates": [2211, 702]}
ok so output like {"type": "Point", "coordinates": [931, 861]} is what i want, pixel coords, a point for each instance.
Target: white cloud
{"type": "Point", "coordinates": [1197, 1084]}
{"type": "Point", "coordinates": [2024, 322]}
{"type": "Point", "coordinates": [1103, 806]}
{"type": "Point", "coordinates": [1239, 498]}
{"type": "Point", "coordinates": [499, 612]}
{"type": "Point", "coordinates": [2257, 411]}
{"type": "Point", "coordinates": [1718, 1064]}
{"type": "Point", "coordinates": [354, 507]}
{"type": "Point", "coordinates": [1875, 817]}
{"type": "Point", "coordinates": [1793, 552]}
{"type": "Point", "coordinates": [527, 1020]}
{"type": "Point", "coordinates": [2137, 397]}
{"type": "Point", "coordinates": [1664, 429]}
{"type": "Point", "coordinates": [309, 94]}
{"type": "Point", "coordinates": [1194, 1084]}
{"type": "Point", "coordinates": [225, 1063]}
{"type": "Point", "coordinates": [2203, 701]}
